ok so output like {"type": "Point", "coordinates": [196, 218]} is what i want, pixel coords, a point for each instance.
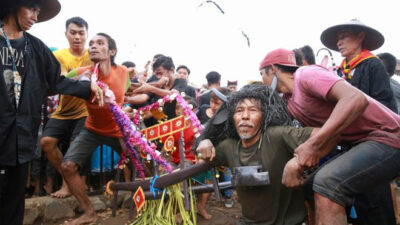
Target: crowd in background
{"type": "Point", "coordinates": [55, 112]}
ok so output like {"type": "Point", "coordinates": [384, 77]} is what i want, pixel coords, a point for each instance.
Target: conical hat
{"type": "Point", "coordinates": [373, 38]}
{"type": "Point", "coordinates": [48, 10]}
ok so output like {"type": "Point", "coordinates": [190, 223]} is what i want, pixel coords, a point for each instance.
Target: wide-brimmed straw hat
{"type": "Point", "coordinates": [373, 38]}
{"type": "Point", "coordinates": [48, 8]}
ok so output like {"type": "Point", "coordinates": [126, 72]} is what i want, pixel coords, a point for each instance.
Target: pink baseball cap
{"type": "Point", "coordinates": [279, 56]}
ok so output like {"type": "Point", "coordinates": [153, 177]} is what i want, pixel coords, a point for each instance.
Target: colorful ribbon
{"type": "Point", "coordinates": [131, 136]}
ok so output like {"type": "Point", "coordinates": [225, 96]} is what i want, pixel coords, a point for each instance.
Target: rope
{"type": "Point", "coordinates": [153, 189]}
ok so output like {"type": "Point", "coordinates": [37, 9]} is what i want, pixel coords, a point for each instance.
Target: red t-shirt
{"type": "Point", "coordinates": [100, 119]}
{"type": "Point", "coordinates": [309, 105]}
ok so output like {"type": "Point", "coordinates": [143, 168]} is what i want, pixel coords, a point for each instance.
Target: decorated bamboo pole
{"type": "Point", "coordinates": [115, 195]}
{"type": "Point", "coordinates": [207, 188]}
{"type": "Point", "coordinates": [131, 203]}
{"type": "Point", "coordinates": [215, 185]}
{"type": "Point", "coordinates": [182, 157]}
{"type": "Point", "coordinates": [165, 180]}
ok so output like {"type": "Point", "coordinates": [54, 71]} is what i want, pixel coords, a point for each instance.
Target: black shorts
{"type": "Point", "coordinates": [64, 130]}
{"type": "Point", "coordinates": [81, 149]}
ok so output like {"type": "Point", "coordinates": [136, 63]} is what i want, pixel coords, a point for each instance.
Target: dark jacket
{"type": "Point", "coordinates": [370, 77]}
{"type": "Point", "coordinates": [19, 127]}
{"type": "Point", "coordinates": [396, 93]}
{"type": "Point", "coordinates": [205, 98]}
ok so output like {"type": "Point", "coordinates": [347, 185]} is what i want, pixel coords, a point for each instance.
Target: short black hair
{"type": "Point", "coordinates": [298, 57]}
{"type": "Point", "coordinates": [183, 67]}
{"type": "Point", "coordinates": [112, 45]}
{"type": "Point", "coordinates": [285, 69]}
{"type": "Point", "coordinates": [156, 56]}
{"type": "Point", "coordinates": [234, 82]}
{"type": "Point", "coordinates": [129, 64]}
{"type": "Point", "coordinates": [389, 61]}
{"type": "Point", "coordinates": [164, 61]}
{"type": "Point", "coordinates": [78, 21]}
{"type": "Point", "coordinates": [306, 53]}
{"type": "Point", "coordinates": [213, 77]}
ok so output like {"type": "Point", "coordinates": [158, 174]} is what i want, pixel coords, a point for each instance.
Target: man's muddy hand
{"type": "Point", "coordinates": [291, 176]}
{"type": "Point", "coordinates": [206, 150]}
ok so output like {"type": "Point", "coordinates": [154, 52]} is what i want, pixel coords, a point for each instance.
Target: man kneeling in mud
{"type": "Point", "coordinates": [257, 132]}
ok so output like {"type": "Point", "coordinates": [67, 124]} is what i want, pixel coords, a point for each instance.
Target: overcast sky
{"type": "Point", "coordinates": [205, 39]}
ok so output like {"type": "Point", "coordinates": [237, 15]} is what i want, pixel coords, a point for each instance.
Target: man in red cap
{"type": "Point", "coordinates": [29, 70]}
{"type": "Point", "coordinates": [317, 97]}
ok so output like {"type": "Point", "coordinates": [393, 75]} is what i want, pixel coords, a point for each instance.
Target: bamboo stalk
{"type": "Point", "coordinates": [195, 189]}
{"type": "Point", "coordinates": [165, 180]}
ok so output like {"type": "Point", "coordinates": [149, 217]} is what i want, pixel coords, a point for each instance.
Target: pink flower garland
{"type": "Point", "coordinates": [118, 115]}
{"type": "Point", "coordinates": [131, 136]}
{"type": "Point", "coordinates": [190, 114]}
{"type": "Point", "coordinates": [187, 110]}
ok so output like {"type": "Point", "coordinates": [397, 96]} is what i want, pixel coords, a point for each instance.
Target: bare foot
{"type": "Point", "coordinates": [202, 212]}
{"type": "Point", "coordinates": [84, 219]}
{"type": "Point", "coordinates": [62, 193]}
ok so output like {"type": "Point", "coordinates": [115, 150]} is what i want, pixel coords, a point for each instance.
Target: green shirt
{"type": "Point", "coordinates": [275, 203]}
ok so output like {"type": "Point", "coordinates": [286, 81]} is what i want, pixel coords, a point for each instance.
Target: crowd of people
{"type": "Point", "coordinates": [329, 138]}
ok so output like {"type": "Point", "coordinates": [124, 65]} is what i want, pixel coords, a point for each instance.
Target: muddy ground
{"type": "Point", "coordinates": [220, 215]}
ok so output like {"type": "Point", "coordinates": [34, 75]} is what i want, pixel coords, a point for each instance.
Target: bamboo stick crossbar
{"type": "Point", "coordinates": [165, 180]}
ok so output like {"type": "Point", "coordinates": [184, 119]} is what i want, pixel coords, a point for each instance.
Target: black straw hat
{"type": "Point", "coordinates": [48, 8]}
{"type": "Point", "coordinates": [373, 38]}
